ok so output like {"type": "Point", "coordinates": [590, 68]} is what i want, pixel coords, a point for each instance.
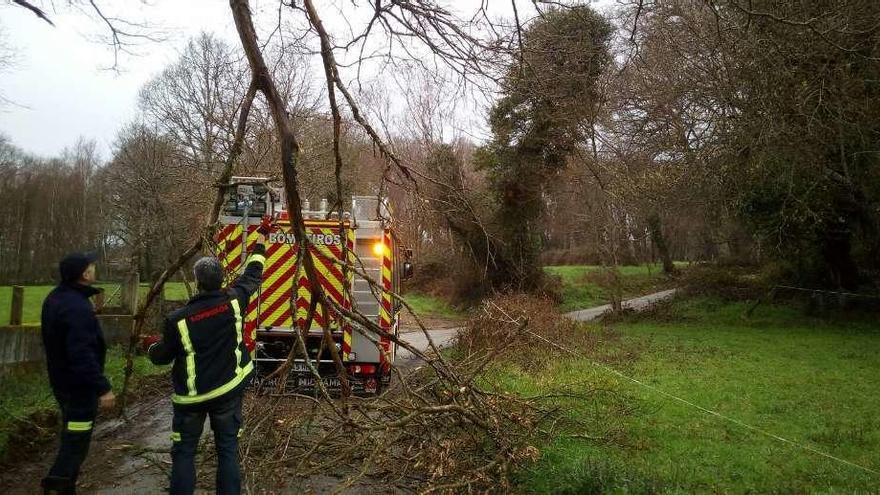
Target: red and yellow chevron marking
{"type": "Point", "coordinates": [277, 288]}
{"type": "Point", "coordinates": [346, 328]}
{"type": "Point", "coordinates": [229, 248]}
{"type": "Point", "coordinates": [385, 311]}
{"type": "Point", "coordinates": [329, 275]}
{"type": "Point", "coordinates": [285, 295]}
{"type": "Point", "coordinates": [229, 245]}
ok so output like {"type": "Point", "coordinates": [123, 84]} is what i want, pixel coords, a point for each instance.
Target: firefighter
{"type": "Point", "coordinates": [211, 368]}
{"type": "Point", "coordinates": [75, 352]}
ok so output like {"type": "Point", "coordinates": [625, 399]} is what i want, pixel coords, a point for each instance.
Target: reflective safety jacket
{"type": "Point", "coordinates": [205, 340]}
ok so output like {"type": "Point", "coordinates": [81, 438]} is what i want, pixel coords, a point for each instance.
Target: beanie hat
{"type": "Point", "coordinates": [74, 265]}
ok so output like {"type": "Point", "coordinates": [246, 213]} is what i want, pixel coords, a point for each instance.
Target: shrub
{"type": "Point", "coordinates": [727, 282]}
{"type": "Point", "coordinates": [524, 330]}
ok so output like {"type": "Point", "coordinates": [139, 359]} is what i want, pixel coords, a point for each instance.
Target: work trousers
{"type": "Point", "coordinates": [78, 417]}
{"type": "Point", "coordinates": [187, 425]}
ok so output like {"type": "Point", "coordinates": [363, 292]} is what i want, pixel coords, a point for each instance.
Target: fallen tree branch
{"type": "Point", "coordinates": [139, 318]}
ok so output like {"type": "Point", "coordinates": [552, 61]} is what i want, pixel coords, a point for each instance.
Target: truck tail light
{"type": "Point", "coordinates": [363, 369]}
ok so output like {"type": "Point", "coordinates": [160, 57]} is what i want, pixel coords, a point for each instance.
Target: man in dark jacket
{"type": "Point", "coordinates": [211, 368]}
{"type": "Point", "coordinates": [75, 353]}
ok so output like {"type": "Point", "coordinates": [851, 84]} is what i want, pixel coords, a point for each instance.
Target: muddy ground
{"type": "Point", "coordinates": [128, 457]}
{"type": "Point", "coordinates": [120, 458]}
{"type": "Point", "coordinates": [133, 455]}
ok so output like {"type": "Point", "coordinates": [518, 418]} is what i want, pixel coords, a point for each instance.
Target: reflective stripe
{"type": "Point", "coordinates": [175, 436]}
{"type": "Point", "coordinates": [259, 258]}
{"type": "Point", "coordinates": [240, 375]}
{"type": "Point", "coordinates": [190, 357]}
{"type": "Point", "coordinates": [236, 311]}
{"type": "Point", "coordinates": [79, 425]}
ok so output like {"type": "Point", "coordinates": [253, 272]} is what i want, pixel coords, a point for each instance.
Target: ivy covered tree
{"type": "Point", "coordinates": [550, 94]}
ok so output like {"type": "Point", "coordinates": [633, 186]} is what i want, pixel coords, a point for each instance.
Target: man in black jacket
{"type": "Point", "coordinates": [211, 368]}
{"type": "Point", "coordinates": [75, 352]}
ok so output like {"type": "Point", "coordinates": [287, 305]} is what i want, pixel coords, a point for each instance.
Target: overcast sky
{"type": "Point", "coordinates": [59, 87]}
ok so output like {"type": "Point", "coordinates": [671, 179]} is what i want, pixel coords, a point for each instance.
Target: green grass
{"type": "Point", "coordinates": [33, 303]}
{"type": "Point", "coordinates": [811, 381]}
{"type": "Point", "coordinates": [580, 293]}
{"type": "Point", "coordinates": [424, 304]}
{"type": "Point", "coordinates": [431, 306]}
{"type": "Point", "coordinates": [35, 294]}
{"type": "Point", "coordinates": [26, 393]}
{"type": "Point", "coordinates": [175, 291]}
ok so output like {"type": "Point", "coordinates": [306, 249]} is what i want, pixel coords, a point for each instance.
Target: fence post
{"type": "Point", "coordinates": [130, 292]}
{"type": "Point", "coordinates": [157, 311]}
{"type": "Point", "coordinates": [15, 315]}
{"type": "Point", "coordinates": [99, 301]}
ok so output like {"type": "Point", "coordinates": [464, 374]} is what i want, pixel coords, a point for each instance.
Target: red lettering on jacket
{"type": "Point", "coordinates": [208, 313]}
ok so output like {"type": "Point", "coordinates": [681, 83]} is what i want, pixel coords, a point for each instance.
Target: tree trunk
{"type": "Point", "coordinates": [656, 230]}
{"type": "Point", "coordinates": [837, 254]}
{"type": "Point", "coordinates": [290, 150]}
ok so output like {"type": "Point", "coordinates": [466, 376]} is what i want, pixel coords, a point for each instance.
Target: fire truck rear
{"type": "Point", "coordinates": [362, 238]}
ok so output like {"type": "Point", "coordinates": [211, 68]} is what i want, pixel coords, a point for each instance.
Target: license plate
{"type": "Point", "coordinates": [329, 382]}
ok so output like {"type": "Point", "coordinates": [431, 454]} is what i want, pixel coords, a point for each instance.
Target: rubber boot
{"type": "Point", "coordinates": [56, 485]}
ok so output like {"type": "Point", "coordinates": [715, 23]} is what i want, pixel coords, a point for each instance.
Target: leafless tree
{"type": "Point", "coordinates": [49, 209]}
{"type": "Point", "coordinates": [117, 30]}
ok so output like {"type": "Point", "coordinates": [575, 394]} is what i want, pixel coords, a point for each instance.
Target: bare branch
{"type": "Point", "coordinates": [36, 10]}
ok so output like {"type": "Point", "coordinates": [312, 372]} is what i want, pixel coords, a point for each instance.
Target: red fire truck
{"type": "Point", "coordinates": [362, 238]}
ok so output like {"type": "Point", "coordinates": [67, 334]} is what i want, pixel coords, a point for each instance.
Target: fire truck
{"type": "Point", "coordinates": [363, 238]}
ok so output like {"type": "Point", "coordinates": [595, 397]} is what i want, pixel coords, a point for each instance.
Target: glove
{"type": "Point", "coordinates": [267, 225]}
{"type": "Point", "coordinates": [149, 340]}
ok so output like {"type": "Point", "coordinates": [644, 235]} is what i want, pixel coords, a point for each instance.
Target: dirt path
{"type": "Point", "coordinates": [443, 337]}
{"type": "Point", "coordinates": [124, 458]}
{"type": "Point", "coordinates": [132, 457]}
{"type": "Point", "coordinates": [636, 304]}
{"type": "Point", "coordinates": [408, 323]}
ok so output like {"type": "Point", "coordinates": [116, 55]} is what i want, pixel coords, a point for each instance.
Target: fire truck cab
{"type": "Point", "coordinates": [362, 238]}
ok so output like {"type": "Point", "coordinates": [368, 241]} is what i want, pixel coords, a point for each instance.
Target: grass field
{"type": "Point", "coordinates": [807, 380]}
{"type": "Point", "coordinates": [426, 305]}
{"type": "Point", "coordinates": [34, 295]}
{"type": "Point", "coordinates": [26, 393]}
{"type": "Point", "coordinates": [580, 289]}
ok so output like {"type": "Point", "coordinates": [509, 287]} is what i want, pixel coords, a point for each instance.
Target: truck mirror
{"type": "Point", "coordinates": [408, 270]}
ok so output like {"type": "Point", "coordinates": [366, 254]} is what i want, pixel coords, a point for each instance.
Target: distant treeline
{"type": "Point", "coordinates": [48, 207]}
